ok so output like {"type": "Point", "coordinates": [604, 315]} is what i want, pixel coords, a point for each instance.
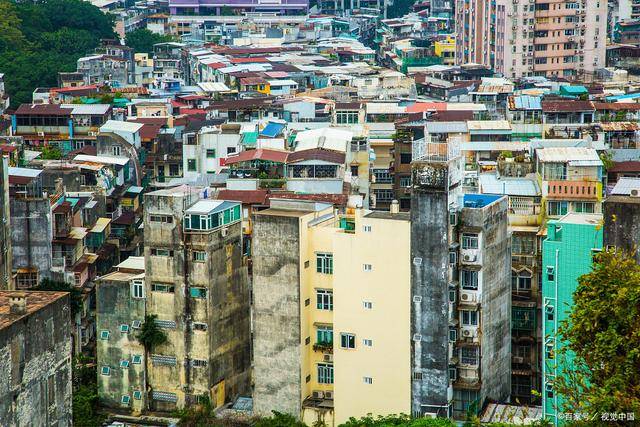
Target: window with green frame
{"type": "Point", "coordinates": [198, 292]}
{"type": "Point", "coordinates": [211, 153]}
{"type": "Point", "coordinates": [324, 263]}
{"type": "Point", "coordinates": [191, 165]}
{"type": "Point", "coordinates": [324, 334]}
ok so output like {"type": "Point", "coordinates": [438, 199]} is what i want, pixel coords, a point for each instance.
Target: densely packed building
{"type": "Point", "coordinates": [327, 211]}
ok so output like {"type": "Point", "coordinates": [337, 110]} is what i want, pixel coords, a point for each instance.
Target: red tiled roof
{"type": "Point", "coordinates": [43, 109]}
{"type": "Point", "coordinates": [73, 89]}
{"type": "Point", "coordinates": [617, 106]}
{"type": "Point", "coordinates": [248, 197]}
{"type": "Point", "coordinates": [150, 130]}
{"type": "Point", "coordinates": [259, 154]}
{"type": "Point", "coordinates": [426, 106]}
{"type": "Point", "coordinates": [127, 218]}
{"type": "Point", "coordinates": [216, 65]}
{"type": "Point", "coordinates": [331, 156]}
{"type": "Point", "coordinates": [250, 60]}
{"type": "Point", "coordinates": [629, 166]}
{"type": "Point", "coordinates": [566, 106]}
{"type": "Point", "coordinates": [90, 150]}
{"type": "Point", "coordinates": [192, 111]}
{"type": "Point", "coordinates": [253, 81]}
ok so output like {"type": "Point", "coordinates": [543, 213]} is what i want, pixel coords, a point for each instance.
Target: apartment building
{"type": "Point", "coordinates": [557, 38]}
{"type": "Point", "coordinates": [567, 254]}
{"type": "Point", "coordinates": [6, 281]}
{"type": "Point", "coordinates": [570, 180]}
{"type": "Point", "coordinates": [621, 215]}
{"type": "Point", "coordinates": [324, 348]}
{"type": "Point", "coordinates": [35, 344]}
{"type": "Point", "coordinates": [461, 299]}
{"type": "Point", "coordinates": [121, 359]}
{"type": "Point", "coordinates": [197, 284]}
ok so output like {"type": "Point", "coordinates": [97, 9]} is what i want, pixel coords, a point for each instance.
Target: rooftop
{"type": "Point", "coordinates": [580, 219]}
{"type": "Point", "coordinates": [36, 300]}
{"type": "Point", "coordinates": [479, 201]}
{"type": "Point", "coordinates": [209, 206]}
{"type": "Point", "coordinates": [400, 216]}
{"type": "Point", "coordinates": [569, 155]}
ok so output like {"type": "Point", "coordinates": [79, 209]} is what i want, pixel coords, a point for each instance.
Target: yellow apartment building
{"type": "Point", "coordinates": [331, 313]}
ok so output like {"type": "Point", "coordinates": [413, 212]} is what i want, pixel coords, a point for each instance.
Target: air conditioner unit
{"type": "Point", "coordinates": [224, 232]}
{"type": "Point", "coordinates": [328, 395]}
{"type": "Point", "coordinates": [40, 133]}
{"type": "Point", "coordinates": [517, 359]}
{"type": "Point", "coordinates": [635, 192]}
{"type": "Point", "coordinates": [470, 257]}
{"type": "Point", "coordinates": [328, 358]}
{"type": "Point", "coordinates": [467, 333]}
{"type": "Point", "coordinates": [467, 296]}
{"type": "Point", "coordinates": [317, 394]}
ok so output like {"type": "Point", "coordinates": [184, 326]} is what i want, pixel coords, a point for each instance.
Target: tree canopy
{"type": "Point", "coordinates": [40, 39]}
{"type": "Point", "coordinates": [142, 40]}
{"type": "Point", "coordinates": [602, 334]}
{"type": "Point", "coordinates": [75, 295]}
{"type": "Point", "coordinates": [151, 335]}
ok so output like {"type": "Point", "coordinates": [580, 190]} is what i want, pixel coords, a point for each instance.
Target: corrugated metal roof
{"type": "Point", "coordinates": [105, 160]}
{"type": "Point", "coordinates": [120, 126]}
{"type": "Point", "coordinates": [567, 154]}
{"type": "Point", "coordinates": [624, 186]}
{"type": "Point", "coordinates": [490, 184]}
{"type": "Point", "coordinates": [446, 127]}
{"type": "Point", "coordinates": [488, 125]}
{"type": "Point", "coordinates": [526, 102]}
{"type": "Point", "coordinates": [24, 172]}
{"type": "Point", "coordinates": [206, 207]}
{"type": "Point", "coordinates": [272, 129]}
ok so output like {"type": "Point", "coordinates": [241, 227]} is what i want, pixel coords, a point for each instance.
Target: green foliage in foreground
{"type": "Point", "coordinates": [142, 40]}
{"type": "Point", "coordinates": [39, 39]}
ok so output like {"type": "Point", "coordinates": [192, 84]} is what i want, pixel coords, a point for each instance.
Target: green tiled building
{"type": "Point", "coordinates": [567, 254]}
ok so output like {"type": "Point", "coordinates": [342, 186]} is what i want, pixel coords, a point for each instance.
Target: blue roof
{"type": "Point", "coordinates": [479, 200]}
{"type": "Point", "coordinates": [625, 96]}
{"type": "Point", "coordinates": [527, 102]}
{"type": "Point", "coordinates": [272, 129]}
{"type": "Point", "coordinates": [573, 90]}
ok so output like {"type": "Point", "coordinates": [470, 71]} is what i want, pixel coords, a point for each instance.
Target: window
{"type": "Point", "coordinates": [162, 287]}
{"type": "Point", "coordinates": [161, 218]}
{"type": "Point", "coordinates": [469, 318]}
{"type": "Point", "coordinates": [136, 324]}
{"type": "Point", "coordinates": [550, 312]}
{"type": "Point", "coordinates": [116, 150]}
{"type": "Point", "coordinates": [405, 181]}
{"type": "Point", "coordinates": [231, 150]}
{"type": "Point", "coordinates": [555, 171]}
{"type": "Point", "coordinates": [324, 263]}
{"type": "Point", "coordinates": [199, 326]}
{"type": "Point", "coordinates": [124, 363]}
{"type": "Point", "coordinates": [347, 340]}
{"type": "Point", "coordinates": [523, 244]}
{"type": "Point", "coordinates": [325, 373]}
{"type": "Point", "coordinates": [104, 335]}
{"type": "Point", "coordinates": [124, 329]}
{"type": "Point", "coordinates": [125, 399]}
{"type": "Point", "coordinates": [367, 380]}
{"type": "Point", "coordinates": [324, 299]}
{"type": "Point", "coordinates": [453, 257]}
{"type": "Point", "coordinates": [405, 158]}
{"type": "Point", "coordinates": [137, 359]}
{"type": "Point", "coordinates": [469, 241]}
{"type": "Point", "coordinates": [161, 252]}
{"type": "Point", "coordinates": [469, 279]}
{"type": "Point", "coordinates": [137, 394]}
{"type": "Point", "coordinates": [106, 371]}
{"type": "Point", "coordinates": [551, 277]}
{"type": "Point", "coordinates": [368, 305]}
{"type": "Point", "coordinates": [453, 335]}
{"type": "Point", "coordinates": [211, 154]}
{"type": "Point", "coordinates": [191, 165]}
{"type": "Point", "coordinates": [366, 228]}
{"type": "Point", "coordinates": [324, 334]}
{"type": "Point", "coordinates": [383, 176]}
{"type": "Point", "coordinates": [524, 281]}
{"type": "Point", "coordinates": [199, 256]}
{"type": "Point", "coordinates": [452, 295]}
{"type": "Point", "coordinates": [137, 289]}
{"type": "Point", "coordinates": [367, 342]}
{"type": "Point", "coordinates": [199, 363]}
{"type": "Point", "coordinates": [384, 195]}
{"type": "Point", "coordinates": [198, 292]}
{"type": "Point", "coordinates": [557, 208]}
{"type": "Point", "coordinates": [584, 207]}
{"type": "Point", "coordinates": [469, 355]}
{"type": "Point", "coordinates": [367, 267]}
{"type": "Point", "coordinates": [453, 374]}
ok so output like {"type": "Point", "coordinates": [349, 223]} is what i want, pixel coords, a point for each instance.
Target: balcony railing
{"type": "Point", "coordinates": [573, 189]}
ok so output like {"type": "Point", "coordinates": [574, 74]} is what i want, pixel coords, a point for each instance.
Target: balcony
{"type": "Point", "coordinates": [323, 347]}
{"type": "Point", "coordinates": [573, 190]}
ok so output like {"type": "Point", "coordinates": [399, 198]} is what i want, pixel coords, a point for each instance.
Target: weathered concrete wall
{"type": "Point", "coordinates": [35, 368]}
{"type": "Point", "coordinates": [115, 307]}
{"type": "Point", "coordinates": [429, 287]}
{"type": "Point", "coordinates": [622, 223]}
{"type": "Point", "coordinates": [5, 227]}
{"type": "Point", "coordinates": [495, 316]}
{"type": "Point", "coordinates": [31, 235]}
{"type": "Point", "coordinates": [276, 295]}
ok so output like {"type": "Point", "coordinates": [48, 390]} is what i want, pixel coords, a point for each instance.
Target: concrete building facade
{"type": "Point", "coordinates": [555, 38]}
{"type": "Point", "coordinates": [6, 281]}
{"type": "Point", "coordinates": [461, 298]}
{"type": "Point", "coordinates": [35, 359]}
{"type": "Point", "coordinates": [324, 349]}
{"type": "Point", "coordinates": [120, 313]}
{"type": "Point", "coordinates": [197, 284]}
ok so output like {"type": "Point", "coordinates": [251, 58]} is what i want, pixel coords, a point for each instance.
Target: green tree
{"type": "Point", "coordinates": [142, 40]}
{"type": "Point", "coordinates": [150, 335]}
{"type": "Point", "coordinates": [603, 340]}
{"type": "Point", "coordinates": [85, 393]}
{"type": "Point", "coordinates": [50, 153]}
